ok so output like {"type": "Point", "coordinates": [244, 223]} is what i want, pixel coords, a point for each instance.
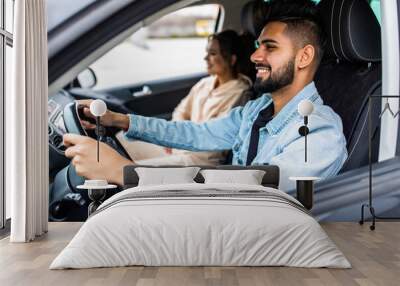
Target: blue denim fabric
{"type": "Point", "coordinates": [279, 142]}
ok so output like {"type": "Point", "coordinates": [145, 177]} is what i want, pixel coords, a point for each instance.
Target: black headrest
{"type": "Point", "coordinates": [247, 21]}
{"type": "Point", "coordinates": [353, 32]}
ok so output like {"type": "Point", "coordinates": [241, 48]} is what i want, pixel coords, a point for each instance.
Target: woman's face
{"type": "Point", "coordinates": [216, 64]}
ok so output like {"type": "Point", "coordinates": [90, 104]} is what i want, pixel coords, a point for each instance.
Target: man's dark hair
{"type": "Point", "coordinates": [301, 18]}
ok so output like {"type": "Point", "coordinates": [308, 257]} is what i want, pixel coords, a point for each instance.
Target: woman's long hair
{"type": "Point", "coordinates": [231, 43]}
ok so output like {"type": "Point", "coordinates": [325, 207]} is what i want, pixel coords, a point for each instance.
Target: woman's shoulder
{"type": "Point", "coordinates": [208, 80]}
{"type": "Point", "coordinates": [204, 82]}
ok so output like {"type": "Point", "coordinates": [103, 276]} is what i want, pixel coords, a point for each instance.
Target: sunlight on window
{"type": "Point", "coordinates": [170, 47]}
{"type": "Point", "coordinates": [376, 7]}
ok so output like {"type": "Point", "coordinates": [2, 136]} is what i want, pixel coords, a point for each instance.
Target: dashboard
{"type": "Point", "coordinates": [56, 127]}
{"type": "Point", "coordinates": [56, 130]}
{"type": "Point", "coordinates": [55, 116]}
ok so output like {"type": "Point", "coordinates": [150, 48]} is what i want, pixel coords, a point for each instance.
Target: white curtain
{"type": "Point", "coordinates": [26, 123]}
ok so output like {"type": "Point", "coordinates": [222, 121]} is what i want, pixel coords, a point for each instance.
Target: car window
{"type": "Point", "coordinates": [172, 46]}
{"type": "Point", "coordinates": [376, 7]}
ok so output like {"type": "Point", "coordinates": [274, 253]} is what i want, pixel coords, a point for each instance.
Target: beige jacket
{"type": "Point", "coordinates": [204, 103]}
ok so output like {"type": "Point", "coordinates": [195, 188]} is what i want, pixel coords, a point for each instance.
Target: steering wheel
{"type": "Point", "coordinates": [73, 113]}
{"type": "Point", "coordinates": [66, 201]}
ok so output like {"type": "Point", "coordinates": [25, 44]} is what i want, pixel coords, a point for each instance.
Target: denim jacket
{"type": "Point", "coordinates": [279, 142]}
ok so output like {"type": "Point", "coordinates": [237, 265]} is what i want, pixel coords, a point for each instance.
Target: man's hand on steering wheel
{"type": "Point", "coordinates": [82, 151]}
{"type": "Point", "coordinates": [109, 119]}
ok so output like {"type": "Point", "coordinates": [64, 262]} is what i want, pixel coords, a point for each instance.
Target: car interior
{"type": "Point", "coordinates": [352, 54]}
{"type": "Point", "coordinates": [299, 186]}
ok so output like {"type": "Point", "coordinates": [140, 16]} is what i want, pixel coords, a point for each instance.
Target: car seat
{"type": "Point", "coordinates": [350, 72]}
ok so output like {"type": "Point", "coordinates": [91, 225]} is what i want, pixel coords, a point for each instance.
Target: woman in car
{"type": "Point", "coordinates": [229, 69]}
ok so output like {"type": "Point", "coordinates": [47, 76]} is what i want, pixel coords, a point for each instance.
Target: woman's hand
{"type": "Point", "coordinates": [109, 119]}
{"type": "Point", "coordinates": [83, 152]}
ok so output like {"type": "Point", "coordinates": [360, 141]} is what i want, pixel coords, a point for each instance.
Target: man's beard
{"type": "Point", "coordinates": [281, 78]}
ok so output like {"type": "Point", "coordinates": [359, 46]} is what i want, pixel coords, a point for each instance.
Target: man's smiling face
{"type": "Point", "coordinates": [274, 58]}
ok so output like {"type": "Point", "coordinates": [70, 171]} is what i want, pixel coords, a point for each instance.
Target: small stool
{"type": "Point", "coordinates": [305, 190]}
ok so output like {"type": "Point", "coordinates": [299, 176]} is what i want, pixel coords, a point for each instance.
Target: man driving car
{"type": "Point", "coordinates": [265, 130]}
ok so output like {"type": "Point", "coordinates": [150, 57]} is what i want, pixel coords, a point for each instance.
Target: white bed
{"type": "Point", "coordinates": [223, 224]}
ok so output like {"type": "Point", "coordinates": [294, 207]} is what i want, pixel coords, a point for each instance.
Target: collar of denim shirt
{"type": "Point", "coordinates": [289, 111]}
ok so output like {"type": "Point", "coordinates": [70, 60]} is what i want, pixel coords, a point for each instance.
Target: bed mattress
{"type": "Point", "coordinates": [201, 225]}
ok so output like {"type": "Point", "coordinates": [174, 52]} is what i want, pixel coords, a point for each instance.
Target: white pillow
{"type": "Point", "coordinates": [164, 176]}
{"type": "Point", "coordinates": [248, 177]}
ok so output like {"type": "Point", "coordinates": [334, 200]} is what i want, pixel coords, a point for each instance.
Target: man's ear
{"type": "Point", "coordinates": [306, 56]}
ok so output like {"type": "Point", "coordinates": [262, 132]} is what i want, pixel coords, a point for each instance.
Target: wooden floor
{"type": "Point", "coordinates": [375, 257]}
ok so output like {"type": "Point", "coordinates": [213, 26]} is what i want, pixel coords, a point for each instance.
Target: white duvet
{"type": "Point", "coordinates": [207, 230]}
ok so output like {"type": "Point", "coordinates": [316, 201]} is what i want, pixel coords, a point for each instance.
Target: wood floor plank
{"type": "Point", "coordinates": [374, 255]}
